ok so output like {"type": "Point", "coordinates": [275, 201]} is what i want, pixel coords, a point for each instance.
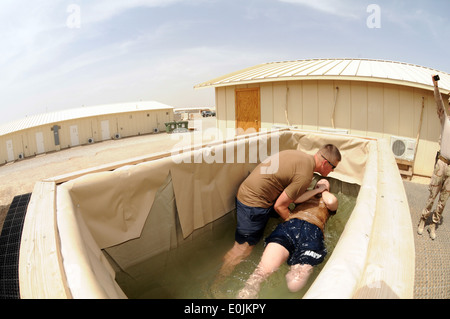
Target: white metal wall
{"type": "Point", "coordinates": [40, 139]}
{"type": "Point", "coordinates": [362, 108]}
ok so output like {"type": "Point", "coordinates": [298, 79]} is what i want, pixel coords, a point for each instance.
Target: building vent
{"type": "Point", "coordinates": [91, 140]}
{"type": "Point", "coordinates": [403, 148]}
{"type": "Point", "coordinates": [21, 156]}
{"type": "Point", "coordinates": [117, 136]}
{"type": "Point", "coordinates": [156, 130]}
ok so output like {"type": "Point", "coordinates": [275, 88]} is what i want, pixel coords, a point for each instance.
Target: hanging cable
{"type": "Point", "coordinates": [286, 106]}
{"type": "Point", "coordinates": [334, 108]}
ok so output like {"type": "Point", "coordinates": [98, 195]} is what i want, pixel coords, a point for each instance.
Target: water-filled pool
{"type": "Point", "coordinates": [189, 272]}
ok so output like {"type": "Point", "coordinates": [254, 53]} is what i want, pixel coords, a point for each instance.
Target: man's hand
{"type": "Point", "coordinates": [322, 187]}
{"type": "Point", "coordinates": [435, 83]}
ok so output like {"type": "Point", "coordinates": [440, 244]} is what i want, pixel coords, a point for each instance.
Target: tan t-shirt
{"type": "Point", "coordinates": [294, 173]}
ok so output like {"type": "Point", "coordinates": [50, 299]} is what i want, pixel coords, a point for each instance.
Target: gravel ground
{"type": "Point", "coordinates": [432, 277]}
{"type": "Point", "coordinates": [19, 177]}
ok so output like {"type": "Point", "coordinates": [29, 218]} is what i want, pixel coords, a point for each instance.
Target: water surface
{"type": "Point", "coordinates": [189, 271]}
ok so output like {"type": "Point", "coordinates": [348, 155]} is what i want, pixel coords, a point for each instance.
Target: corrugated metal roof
{"type": "Point", "coordinates": [81, 112]}
{"type": "Point", "coordinates": [336, 69]}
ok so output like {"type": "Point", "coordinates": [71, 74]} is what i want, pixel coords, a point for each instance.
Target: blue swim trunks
{"type": "Point", "coordinates": [303, 240]}
{"type": "Point", "coordinates": [251, 222]}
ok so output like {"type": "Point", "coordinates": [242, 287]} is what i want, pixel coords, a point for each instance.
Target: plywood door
{"type": "Point", "coordinates": [248, 110]}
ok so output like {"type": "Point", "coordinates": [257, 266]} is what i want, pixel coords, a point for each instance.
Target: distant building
{"type": "Point", "coordinates": [54, 131]}
{"type": "Point", "coordinates": [356, 96]}
{"type": "Point", "coordinates": [190, 113]}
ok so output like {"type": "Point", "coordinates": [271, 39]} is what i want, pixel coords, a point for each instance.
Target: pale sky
{"type": "Point", "coordinates": [56, 55]}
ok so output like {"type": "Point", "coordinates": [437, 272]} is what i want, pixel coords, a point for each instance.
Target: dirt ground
{"type": "Point", "coordinates": [19, 177]}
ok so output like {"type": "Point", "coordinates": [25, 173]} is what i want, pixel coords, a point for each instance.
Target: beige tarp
{"type": "Point", "coordinates": [116, 204]}
{"type": "Point", "coordinates": [133, 212]}
{"type": "Point", "coordinates": [75, 233]}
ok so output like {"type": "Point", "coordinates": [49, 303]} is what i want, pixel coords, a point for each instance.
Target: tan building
{"type": "Point", "coordinates": [54, 131]}
{"type": "Point", "coordinates": [373, 98]}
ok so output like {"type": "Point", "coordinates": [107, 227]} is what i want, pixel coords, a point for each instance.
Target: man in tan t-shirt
{"type": "Point", "coordinates": [264, 192]}
{"type": "Point", "coordinates": [298, 241]}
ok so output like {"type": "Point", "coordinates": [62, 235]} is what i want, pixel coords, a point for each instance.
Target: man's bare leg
{"type": "Point", "coordinates": [233, 258]}
{"type": "Point", "coordinates": [298, 276]}
{"type": "Point", "coordinates": [273, 257]}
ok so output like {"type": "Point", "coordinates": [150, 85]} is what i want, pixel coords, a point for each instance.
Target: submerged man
{"type": "Point", "coordinates": [299, 241]}
{"type": "Point", "coordinates": [261, 193]}
{"type": "Point", "coordinates": [440, 181]}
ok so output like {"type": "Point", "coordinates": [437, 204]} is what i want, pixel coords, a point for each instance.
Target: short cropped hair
{"type": "Point", "coordinates": [331, 152]}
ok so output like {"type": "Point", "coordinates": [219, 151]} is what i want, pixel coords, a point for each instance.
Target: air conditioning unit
{"type": "Point", "coordinates": [91, 140]}
{"type": "Point", "coordinates": [403, 148]}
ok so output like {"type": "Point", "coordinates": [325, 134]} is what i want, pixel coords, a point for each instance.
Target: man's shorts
{"type": "Point", "coordinates": [251, 222]}
{"type": "Point", "coordinates": [303, 240]}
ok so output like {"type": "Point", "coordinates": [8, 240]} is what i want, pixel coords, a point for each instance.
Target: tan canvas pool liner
{"type": "Point", "coordinates": [72, 218]}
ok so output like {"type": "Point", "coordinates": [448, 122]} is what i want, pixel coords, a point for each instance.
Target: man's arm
{"type": "Point", "coordinates": [310, 194]}
{"type": "Point", "coordinates": [439, 103]}
{"type": "Point", "coordinates": [282, 205]}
